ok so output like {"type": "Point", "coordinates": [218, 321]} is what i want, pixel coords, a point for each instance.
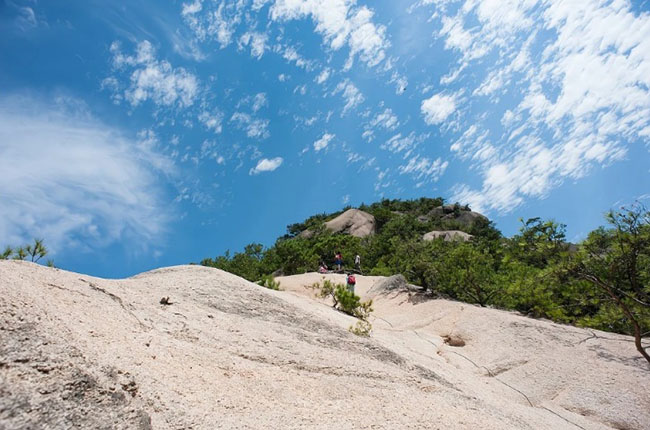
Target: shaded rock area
{"type": "Point", "coordinates": [465, 217]}
{"type": "Point", "coordinates": [47, 383]}
{"type": "Point", "coordinates": [447, 235]}
{"type": "Point", "coordinates": [391, 284]}
{"type": "Point", "coordinates": [353, 222]}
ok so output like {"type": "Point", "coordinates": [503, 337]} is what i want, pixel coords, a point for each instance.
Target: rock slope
{"type": "Point", "coordinates": [353, 222]}
{"type": "Point", "coordinates": [447, 235]}
{"type": "Point", "coordinates": [84, 352]}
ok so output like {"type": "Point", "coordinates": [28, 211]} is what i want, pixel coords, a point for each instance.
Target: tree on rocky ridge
{"type": "Point", "coordinates": [617, 261]}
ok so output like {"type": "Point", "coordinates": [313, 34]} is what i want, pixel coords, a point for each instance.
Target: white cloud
{"type": "Point", "coordinates": [152, 79]}
{"type": "Point", "coordinates": [323, 142]}
{"type": "Point", "coordinates": [400, 81]}
{"type": "Point", "coordinates": [368, 135]}
{"type": "Point", "coordinates": [351, 94]}
{"type": "Point", "coordinates": [386, 120]}
{"type": "Point", "coordinates": [259, 101]}
{"type": "Point", "coordinates": [255, 128]}
{"type": "Point", "coordinates": [574, 103]}
{"type": "Point", "coordinates": [266, 165]}
{"type": "Point", "coordinates": [26, 19]}
{"type": "Point", "coordinates": [340, 22]}
{"type": "Point", "coordinates": [290, 54]}
{"type": "Point", "coordinates": [256, 41]}
{"type": "Point", "coordinates": [209, 150]}
{"type": "Point", "coordinates": [399, 143]}
{"type": "Point", "coordinates": [422, 168]}
{"type": "Point", "coordinates": [212, 120]}
{"type": "Point", "coordinates": [437, 108]}
{"type": "Point", "coordinates": [76, 182]}
{"type": "Point", "coordinates": [323, 76]}
{"type": "Point", "coordinates": [192, 8]}
{"type": "Point", "coordinates": [219, 24]}
{"type": "Point", "coordinates": [186, 47]}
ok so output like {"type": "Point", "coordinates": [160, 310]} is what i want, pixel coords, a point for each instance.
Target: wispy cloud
{"type": "Point", "coordinates": [386, 119]}
{"type": "Point", "coordinates": [256, 41]}
{"type": "Point", "coordinates": [422, 168]}
{"type": "Point", "coordinates": [290, 54]}
{"type": "Point", "coordinates": [323, 76]}
{"type": "Point", "coordinates": [212, 120]}
{"type": "Point", "coordinates": [351, 94]}
{"type": "Point", "coordinates": [255, 127]}
{"type": "Point", "coordinates": [23, 16]}
{"type": "Point", "coordinates": [212, 23]}
{"type": "Point", "coordinates": [150, 79]}
{"type": "Point", "coordinates": [399, 143]}
{"type": "Point", "coordinates": [323, 142]}
{"type": "Point", "coordinates": [340, 23]}
{"type": "Point", "coordinates": [111, 194]}
{"type": "Point", "coordinates": [259, 101]}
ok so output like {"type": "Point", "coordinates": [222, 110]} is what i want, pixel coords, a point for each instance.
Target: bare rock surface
{"type": "Point", "coordinates": [395, 283]}
{"type": "Point", "coordinates": [453, 213]}
{"type": "Point", "coordinates": [447, 235]}
{"type": "Point", "coordinates": [84, 352]}
{"type": "Point", "coordinates": [353, 222]}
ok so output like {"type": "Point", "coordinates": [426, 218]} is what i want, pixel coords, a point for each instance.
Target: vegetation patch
{"type": "Point", "coordinates": [269, 282]}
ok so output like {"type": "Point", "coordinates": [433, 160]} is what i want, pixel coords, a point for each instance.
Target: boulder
{"type": "Point", "coordinates": [446, 212]}
{"type": "Point", "coordinates": [306, 234]}
{"type": "Point", "coordinates": [468, 218]}
{"type": "Point", "coordinates": [353, 222]}
{"type": "Point", "coordinates": [392, 283]}
{"type": "Point", "coordinates": [448, 235]}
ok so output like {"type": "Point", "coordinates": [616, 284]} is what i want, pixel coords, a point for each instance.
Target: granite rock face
{"type": "Point", "coordinates": [448, 235]}
{"type": "Point", "coordinates": [353, 222]}
{"type": "Point", "coordinates": [454, 213]}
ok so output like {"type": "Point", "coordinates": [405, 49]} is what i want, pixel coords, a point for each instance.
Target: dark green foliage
{"type": "Point", "coordinates": [7, 253]}
{"type": "Point", "coordinates": [35, 251]}
{"type": "Point", "coordinates": [269, 282]}
{"type": "Point", "coordinates": [539, 243]}
{"type": "Point", "coordinates": [616, 262]}
{"type": "Point", "coordinates": [348, 302]}
{"type": "Point", "coordinates": [313, 223]}
{"type": "Point", "coordinates": [20, 253]}
{"type": "Point", "coordinates": [466, 272]}
{"type": "Point", "coordinates": [247, 264]}
{"type": "Point", "coordinates": [291, 256]}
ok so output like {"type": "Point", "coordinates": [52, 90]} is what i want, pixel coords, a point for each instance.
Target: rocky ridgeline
{"type": "Point", "coordinates": [358, 223]}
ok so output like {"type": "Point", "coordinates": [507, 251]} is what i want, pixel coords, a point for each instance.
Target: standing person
{"type": "Point", "coordinates": [351, 281]}
{"type": "Point", "coordinates": [338, 260]}
{"type": "Point", "coordinates": [357, 263]}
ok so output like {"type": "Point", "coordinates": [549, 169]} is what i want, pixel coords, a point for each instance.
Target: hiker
{"type": "Point", "coordinates": [351, 280]}
{"type": "Point", "coordinates": [357, 263]}
{"type": "Point", "coordinates": [322, 267]}
{"type": "Point", "coordinates": [338, 260]}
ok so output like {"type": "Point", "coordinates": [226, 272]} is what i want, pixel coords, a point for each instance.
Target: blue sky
{"type": "Point", "coordinates": [156, 133]}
